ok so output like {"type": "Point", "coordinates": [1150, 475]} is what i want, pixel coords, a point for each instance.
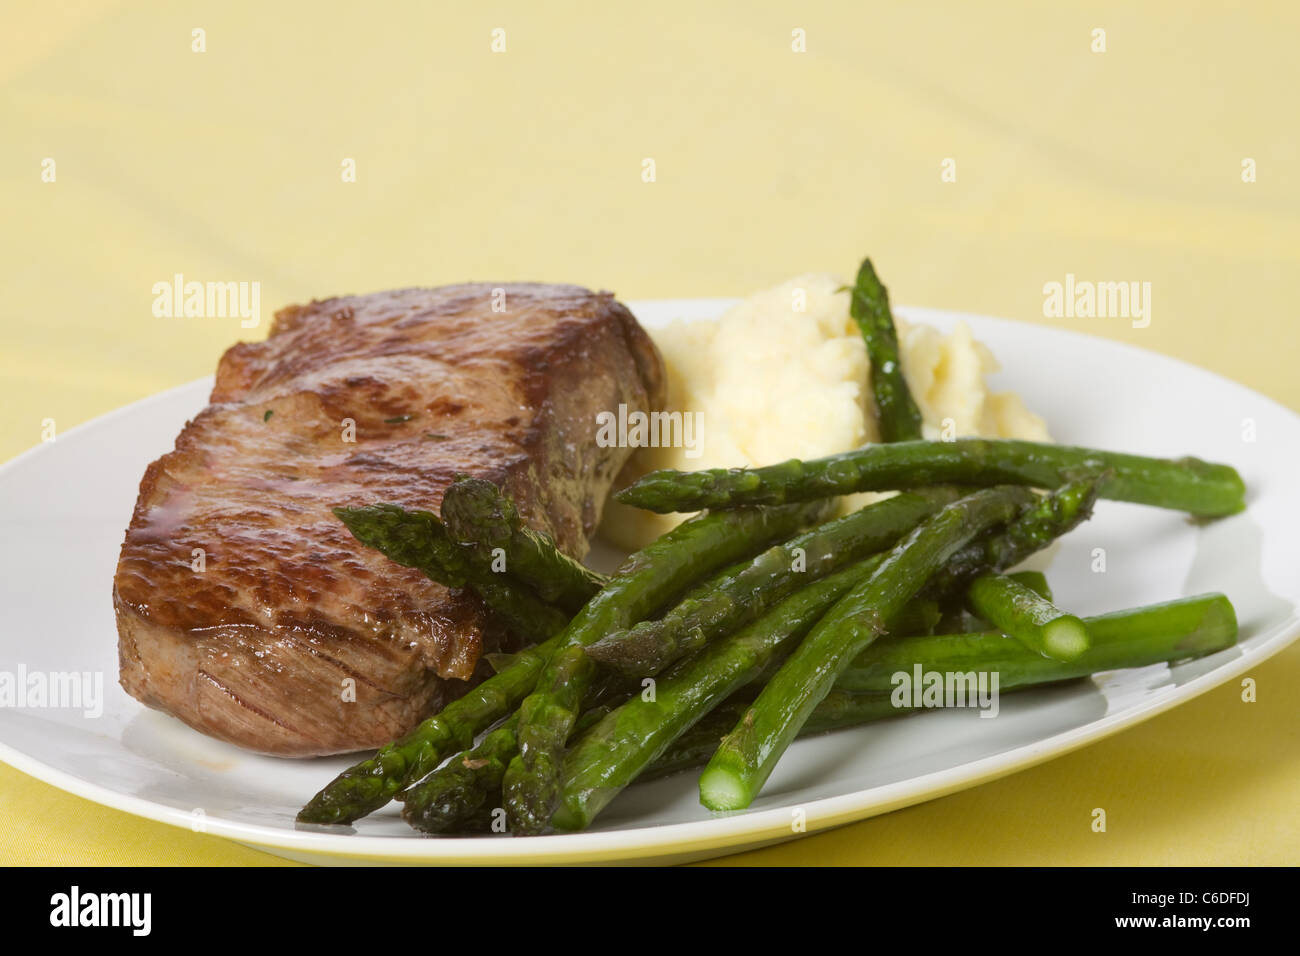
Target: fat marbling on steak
{"type": "Point", "coordinates": [261, 637]}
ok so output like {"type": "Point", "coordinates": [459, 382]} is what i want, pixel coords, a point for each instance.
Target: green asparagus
{"type": "Point", "coordinates": [921, 616]}
{"type": "Point", "coordinates": [731, 602]}
{"type": "Point", "coordinates": [662, 570]}
{"type": "Point", "coordinates": [1033, 528]}
{"type": "Point", "coordinates": [484, 520]}
{"type": "Point", "coordinates": [611, 755]}
{"type": "Point", "coordinates": [365, 787]}
{"type": "Point", "coordinates": [1184, 628]}
{"type": "Point", "coordinates": [1187, 484]}
{"type": "Point", "coordinates": [748, 754]}
{"type": "Point", "coordinates": [457, 792]}
{"type": "Point", "coordinates": [1160, 633]}
{"type": "Point", "coordinates": [1037, 623]}
{"type": "Point", "coordinates": [454, 797]}
{"type": "Point", "coordinates": [838, 710]}
{"type": "Point", "coordinates": [1036, 581]}
{"type": "Point", "coordinates": [1050, 516]}
{"type": "Point", "coordinates": [953, 616]}
{"type": "Point", "coordinates": [417, 539]}
{"type": "Point", "coordinates": [647, 579]}
{"type": "Point", "coordinates": [898, 416]}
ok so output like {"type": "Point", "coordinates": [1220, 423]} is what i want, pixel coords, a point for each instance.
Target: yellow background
{"type": "Point", "coordinates": [527, 165]}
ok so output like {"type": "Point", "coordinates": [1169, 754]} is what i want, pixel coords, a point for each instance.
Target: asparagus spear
{"type": "Point", "coordinates": [454, 797]}
{"type": "Point", "coordinates": [365, 787]}
{"type": "Point", "coordinates": [1050, 516]}
{"type": "Point", "coordinates": [1037, 623]}
{"type": "Point", "coordinates": [417, 539]}
{"type": "Point", "coordinates": [1160, 633]}
{"type": "Point", "coordinates": [838, 710]}
{"type": "Point", "coordinates": [548, 714]}
{"type": "Point", "coordinates": [955, 619]}
{"type": "Point", "coordinates": [897, 415]}
{"type": "Point", "coordinates": [1188, 484]}
{"type": "Point", "coordinates": [899, 418]}
{"type": "Point", "coordinates": [610, 756]}
{"type": "Point", "coordinates": [921, 616]}
{"type": "Point", "coordinates": [483, 519]}
{"type": "Point", "coordinates": [1036, 581]}
{"type": "Point", "coordinates": [1184, 628]}
{"type": "Point", "coordinates": [647, 579]}
{"type": "Point", "coordinates": [696, 745]}
{"type": "Point", "coordinates": [747, 755]}
{"type": "Point", "coordinates": [731, 602]}
{"type": "Point", "coordinates": [665, 568]}
{"type": "Point", "coordinates": [1035, 527]}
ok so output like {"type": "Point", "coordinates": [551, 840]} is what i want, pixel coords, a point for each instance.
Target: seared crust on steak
{"type": "Point", "coordinates": [262, 636]}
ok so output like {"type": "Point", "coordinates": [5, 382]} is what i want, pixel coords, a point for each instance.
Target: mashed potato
{"type": "Point", "coordinates": [784, 374]}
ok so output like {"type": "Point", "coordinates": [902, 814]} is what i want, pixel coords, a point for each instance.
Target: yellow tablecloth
{"type": "Point", "coordinates": [527, 163]}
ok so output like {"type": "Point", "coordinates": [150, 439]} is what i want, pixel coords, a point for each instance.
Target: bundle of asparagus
{"type": "Point", "coordinates": [759, 620]}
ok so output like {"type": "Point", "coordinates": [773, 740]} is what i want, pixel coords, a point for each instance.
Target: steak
{"type": "Point", "coordinates": [247, 610]}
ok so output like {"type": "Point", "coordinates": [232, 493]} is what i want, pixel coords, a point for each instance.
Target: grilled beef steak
{"type": "Point", "coordinates": [246, 609]}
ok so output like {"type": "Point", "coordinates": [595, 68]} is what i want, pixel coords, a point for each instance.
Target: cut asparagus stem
{"type": "Point", "coordinates": [731, 602]}
{"type": "Point", "coordinates": [749, 753]}
{"type": "Point", "coordinates": [896, 411]}
{"type": "Point", "coordinates": [1186, 484]}
{"type": "Point", "coordinates": [1037, 623]}
{"type": "Point", "coordinates": [663, 570]}
{"type": "Point", "coordinates": [954, 618]}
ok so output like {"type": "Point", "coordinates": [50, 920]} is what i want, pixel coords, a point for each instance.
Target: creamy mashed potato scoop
{"type": "Point", "coordinates": [784, 374]}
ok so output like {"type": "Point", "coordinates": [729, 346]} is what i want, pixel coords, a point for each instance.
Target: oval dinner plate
{"type": "Point", "coordinates": [66, 505]}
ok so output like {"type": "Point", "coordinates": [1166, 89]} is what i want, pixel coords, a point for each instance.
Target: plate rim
{"type": "Point", "coordinates": [674, 841]}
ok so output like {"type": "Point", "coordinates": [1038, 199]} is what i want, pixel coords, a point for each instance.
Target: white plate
{"type": "Point", "coordinates": [66, 504]}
